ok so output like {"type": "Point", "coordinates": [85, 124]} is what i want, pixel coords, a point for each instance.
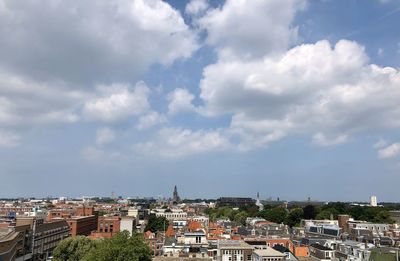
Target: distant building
{"type": "Point", "coordinates": [175, 196]}
{"type": "Point", "coordinates": [174, 214]}
{"type": "Point", "coordinates": [258, 203]}
{"type": "Point", "coordinates": [374, 201]}
{"type": "Point", "coordinates": [235, 202]}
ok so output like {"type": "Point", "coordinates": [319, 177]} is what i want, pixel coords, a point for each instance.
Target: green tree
{"type": "Point", "coordinates": [241, 217]}
{"type": "Point", "coordinates": [309, 212]}
{"type": "Point", "coordinates": [294, 217]}
{"type": "Point", "coordinates": [383, 217]}
{"type": "Point", "coordinates": [73, 248]}
{"type": "Point", "coordinates": [277, 214]}
{"type": "Point", "coordinates": [120, 247]}
{"type": "Point", "coordinates": [156, 224]}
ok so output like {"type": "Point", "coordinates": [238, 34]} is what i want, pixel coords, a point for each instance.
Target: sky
{"type": "Point", "coordinates": [289, 98]}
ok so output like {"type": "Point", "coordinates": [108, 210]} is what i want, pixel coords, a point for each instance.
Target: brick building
{"type": "Point", "coordinates": [107, 226]}
{"type": "Point", "coordinates": [82, 225]}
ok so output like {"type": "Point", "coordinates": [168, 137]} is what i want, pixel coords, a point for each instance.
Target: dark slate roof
{"type": "Point", "coordinates": [321, 247]}
{"type": "Point", "coordinates": [50, 226]}
{"type": "Point", "coordinates": [281, 248]}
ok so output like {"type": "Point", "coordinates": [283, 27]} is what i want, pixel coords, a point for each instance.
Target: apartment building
{"type": "Point", "coordinates": [230, 250]}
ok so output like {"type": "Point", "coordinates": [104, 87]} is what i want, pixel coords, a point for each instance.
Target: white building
{"type": "Point", "coordinates": [374, 201]}
{"type": "Point", "coordinates": [172, 214]}
{"type": "Point", "coordinates": [128, 224]}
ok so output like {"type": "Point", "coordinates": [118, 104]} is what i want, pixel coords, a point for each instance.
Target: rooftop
{"type": "Point", "coordinates": [269, 252]}
{"type": "Point", "coordinates": [233, 244]}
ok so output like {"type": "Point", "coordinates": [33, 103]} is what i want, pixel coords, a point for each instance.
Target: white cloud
{"type": "Point", "coordinates": [380, 144]}
{"type": "Point", "coordinates": [389, 152]}
{"type": "Point", "coordinates": [118, 102]}
{"type": "Point", "coordinates": [150, 119]}
{"type": "Point", "coordinates": [8, 139]}
{"type": "Point", "coordinates": [312, 88]}
{"type": "Point", "coordinates": [321, 139]}
{"type": "Point", "coordinates": [195, 7]}
{"type": "Point", "coordinates": [250, 29]}
{"type": "Point", "coordinates": [101, 41]}
{"type": "Point", "coordinates": [180, 100]}
{"type": "Point", "coordinates": [25, 102]}
{"type": "Point", "coordinates": [104, 136]}
{"type": "Point", "coordinates": [178, 142]}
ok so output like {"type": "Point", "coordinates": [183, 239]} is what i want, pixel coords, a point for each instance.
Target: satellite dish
{"type": "Point", "coordinates": [173, 244]}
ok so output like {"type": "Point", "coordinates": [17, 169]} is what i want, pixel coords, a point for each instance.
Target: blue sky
{"type": "Point", "coordinates": [290, 98]}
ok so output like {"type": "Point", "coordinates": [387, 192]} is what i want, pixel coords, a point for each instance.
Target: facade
{"type": "Point", "coordinates": [82, 225]}
{"type": "Point", "coordinates": [352, 250]}
{"type": "Point", "coordinates": [46, 236]}
{"type": "Point", "coordinates": [11, 244]}
{"type": "Point", "coordinates": [321, 252]}
{"type": "Point", "coordinates": [174, 214]}
{"type": "Point", "coordinates": [107, 226]}
{"type": "Point", "coordinates": [231, 250]}
{"type": "Point", "coordinates": [325, 231]}
{"type": "Point", "coordinates": [363, 228]}
{"type": "Point", "coordinates": [342, 220]}
{"type": "Point", "coordinates": [195, 239]}
{"type": "Point", "coordinates": [128, 224]}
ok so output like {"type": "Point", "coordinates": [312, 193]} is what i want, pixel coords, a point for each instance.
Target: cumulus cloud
{"type": "Point", "coordinates": [24, 102]}
{"type": "Point", "coordinates": [8, 139]}
{"type": "Point", "coordinates": [250, 29]}
{"type": "Point", "coordinates": [152, 118]}
{"type": "Point", "coordinates": [194, 7]}
{"type": "Point", "coordinates": [390, 151]}
{"type": "Point", "coordinates": [180, 100]}
{"type": "Point", "coordinates": [54, 55]}
{"type": "Point", "coordinates": [117, 102]}
{"type": "Point", "coordinates": [179, 142]}
{"type": "Point", "coordinates": [320, 89]}
{"type": "Point", "coordinates": [321, 139]}
{"type": "Point", "coordinates": [104, 136]}
{"type": "Point", "coordinates": [90, 41]}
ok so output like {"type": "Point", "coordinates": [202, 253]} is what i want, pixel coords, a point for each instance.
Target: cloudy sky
{"type": "Point", "coordinates": [291, 98]}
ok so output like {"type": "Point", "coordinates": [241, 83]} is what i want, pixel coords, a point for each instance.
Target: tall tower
{"type": "Point", "coordinates": [258, 202]}
{"type": "Point", "coordinates": [175, 197]}
{"type": "Point", "coordinates": [374, 201]}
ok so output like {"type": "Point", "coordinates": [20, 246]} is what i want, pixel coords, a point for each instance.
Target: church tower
{"type": "Point", "coordinates": [175, 197]}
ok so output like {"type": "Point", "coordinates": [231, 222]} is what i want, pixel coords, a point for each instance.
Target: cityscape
{"type": "Point", "coordinates": [222, 229]}
{"type": "Point", "coordinates": [199, 130]}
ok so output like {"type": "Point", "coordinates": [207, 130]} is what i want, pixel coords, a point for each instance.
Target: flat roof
{"type": "Point", "coordinates": [269, 252]}
{"type": "Point", "coordinates": [233, 244]}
